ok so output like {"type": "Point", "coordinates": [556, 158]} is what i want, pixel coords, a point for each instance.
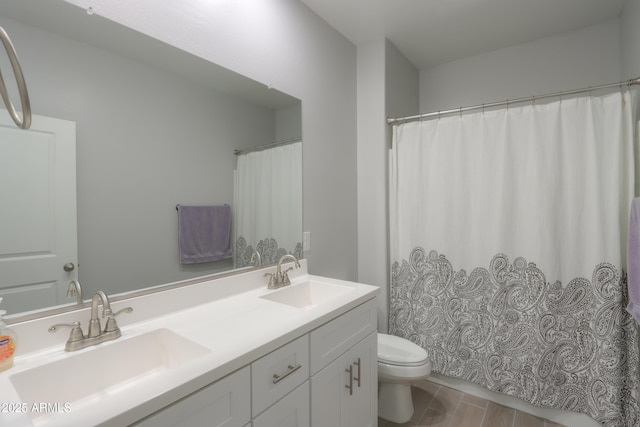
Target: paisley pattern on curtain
{"type": "Point", "coordinates": [268, 249]}
{"type": "Point", "coordinates": [530, 205]}
{"type": "Point", "coordinates": [569, 346]}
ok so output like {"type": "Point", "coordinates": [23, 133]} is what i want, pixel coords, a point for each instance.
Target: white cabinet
{"type": "Point", "coordinates": [344, 392]}
{"type": "Point", "coordinates": [344, 384]}
{"type": "Point", "coordinates": [337, 336]}
{"type": "Point", "coordinates": [341, 357]}
{"type": "Point", "coordinates": [290, 411]}
{"type": "Point", "coordinates": [326, 378]}
{"type": "Point", "coordinates": [225, 403]}
{"type": "Point", "coordinates": [280, 382]}
{"type": "Point", "coordinates": [275, 375]}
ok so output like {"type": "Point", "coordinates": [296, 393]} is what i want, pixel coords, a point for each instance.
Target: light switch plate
{"type": "Point", "coordinates": [306, 241]}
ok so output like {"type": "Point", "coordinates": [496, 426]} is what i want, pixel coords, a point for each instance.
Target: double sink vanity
{"type": "Point", "coordinates": [221, 352]}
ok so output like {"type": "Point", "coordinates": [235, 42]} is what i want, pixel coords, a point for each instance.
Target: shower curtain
{"type": "Point", "coordinates": [268, 201]}
{"type": "Point", "coordinates": [508, 247]}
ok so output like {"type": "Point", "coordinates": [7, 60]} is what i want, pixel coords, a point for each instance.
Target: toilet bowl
{"type": "Point", "coordinates": [400, 362]}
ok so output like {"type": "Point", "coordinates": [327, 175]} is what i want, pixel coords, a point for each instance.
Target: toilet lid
{"type": "Point", "coordinates": [399, 351]}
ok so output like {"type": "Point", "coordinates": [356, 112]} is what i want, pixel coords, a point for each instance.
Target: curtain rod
{"type": "Point", "coordinates": [271, 145]}
{"type": "Point", "coordinates": [400, 120]}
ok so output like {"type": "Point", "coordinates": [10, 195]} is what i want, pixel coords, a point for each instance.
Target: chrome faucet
{"type": "Point", "coordinates": [94, 322]}
{"type": "Point", "coordinates": [281, 278]}
{"type": "Point", "coordinates": [77, 340]}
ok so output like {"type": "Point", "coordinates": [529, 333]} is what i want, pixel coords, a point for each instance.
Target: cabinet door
{"type": "Point", "coordinates": [290, 411]}
{"type": "Point", "coordinates": [225, 403]}
{"type": "Point", "coordinates": [361, 407]}
{"type": "Point", "coordinates": [344, 392]}
{"type": "Point", "coordinates": [332, 339]}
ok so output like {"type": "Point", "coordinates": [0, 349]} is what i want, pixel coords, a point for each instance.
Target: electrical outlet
{"type": "Point", "coordinates": [306, 241]}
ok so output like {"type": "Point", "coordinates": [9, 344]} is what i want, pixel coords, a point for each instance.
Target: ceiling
{"type": "Point", "coordinates": [65, 19]}
{"type": "Point", "coordinates": [431, 32]}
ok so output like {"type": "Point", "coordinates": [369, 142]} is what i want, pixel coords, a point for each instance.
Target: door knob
{"type": "Point", "coordinates": [69, 267]}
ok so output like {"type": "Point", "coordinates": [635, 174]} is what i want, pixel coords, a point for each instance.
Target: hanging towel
{"type": "Point", "coordinates": [204, 233]}
{"type": "Point", "coordinates": [633, 260]}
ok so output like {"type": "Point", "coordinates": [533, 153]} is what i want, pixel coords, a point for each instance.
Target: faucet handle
{"type": "Point", "coordinates": [124, 310]}
{"type": "Point", "coordinates": [108, 313]}
{"type": "Point", "coordinates": [273, 280]}
{"type": "Point", "coordinates": [75, 334]}
{"type": "Point", "coordinates": [285, 277]}
{"type": "Point", "coordinates": [111, 324]}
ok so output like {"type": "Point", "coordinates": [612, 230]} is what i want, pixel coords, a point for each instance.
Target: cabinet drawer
{"type": "Point", "coordinates": [290, 411]}
{"type": "Point", "coordinates": [279, 372]}
{"type": "Point", "coordinates": [329, 341]}
{"type": "Point", "coordinates": [224, 403]}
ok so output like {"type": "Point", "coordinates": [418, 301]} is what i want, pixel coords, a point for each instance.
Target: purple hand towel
{"type": "Point", "coordinates": [633, 260]}
{"type": "Point", "coordinates": [204, 233]}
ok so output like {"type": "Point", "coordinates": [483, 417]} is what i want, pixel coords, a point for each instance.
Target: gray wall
{"type": "Point", "coordinates": [630, 40]}
{"type": "Point", "coordinates": [283, 44]}
{"type": "Point", "coordinates": [372, 188]}
{"type": "Point", "coordinates": [387, 87]}
{"type": "Point", "coordinates": [289, 123]}
{"type": "Point", "coordinates": [577, 59]}
{"type": "Point", "coordinates": [146, 141]}
{"type": "Point", "coordinates": [630, 35]}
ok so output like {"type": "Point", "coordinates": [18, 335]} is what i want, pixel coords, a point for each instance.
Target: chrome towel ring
{"type": "Point", "coordinates": [25, 122]}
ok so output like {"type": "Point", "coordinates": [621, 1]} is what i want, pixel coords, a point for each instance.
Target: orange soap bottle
{"type": "Point", "coordinates": [7, 343]}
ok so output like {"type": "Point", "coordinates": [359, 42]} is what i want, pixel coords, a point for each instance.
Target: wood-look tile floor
{"type": "Point", "coordinates": [436, 405]}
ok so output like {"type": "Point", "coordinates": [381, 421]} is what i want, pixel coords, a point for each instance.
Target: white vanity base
{"type": "Point", "coordinates": [255, 367]}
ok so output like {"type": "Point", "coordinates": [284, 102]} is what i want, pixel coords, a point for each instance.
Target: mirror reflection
{"type": "Point", "coordinates": [125, 129]}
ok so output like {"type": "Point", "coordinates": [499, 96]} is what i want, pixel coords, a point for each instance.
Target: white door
{"type": "Point", "coordinates": [38, 233]}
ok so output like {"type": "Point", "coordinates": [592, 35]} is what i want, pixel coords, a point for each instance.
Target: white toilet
{"type": "Point", "coordinates": [400, 362]}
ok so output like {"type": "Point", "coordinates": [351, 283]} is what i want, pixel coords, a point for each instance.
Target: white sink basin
{"type": "Point", "coordinates": [97, 372]}
{"type": "Point", "coordinates": [307, 294]}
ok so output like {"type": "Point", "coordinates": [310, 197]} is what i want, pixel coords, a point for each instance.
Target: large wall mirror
{"type": "Point", "coordinates": [153, 127]}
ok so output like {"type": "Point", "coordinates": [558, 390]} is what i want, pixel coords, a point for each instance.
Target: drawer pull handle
{"type": "Point", "coordinates": [350, 386]}
{"type": "Point", "coordinates": [291, 369]}
{"type": "Point", "coordinates": [357, 363]}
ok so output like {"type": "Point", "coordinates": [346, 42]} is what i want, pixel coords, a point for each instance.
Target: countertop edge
{"type": "Point", "coordinates": [193, 385]}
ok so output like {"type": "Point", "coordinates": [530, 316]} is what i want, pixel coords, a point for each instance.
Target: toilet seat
{"type": "Point", "coordinates": [398, 351]}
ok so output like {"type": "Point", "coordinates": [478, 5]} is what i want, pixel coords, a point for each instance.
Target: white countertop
{"type": "Point", "coordinates": [226, 316]}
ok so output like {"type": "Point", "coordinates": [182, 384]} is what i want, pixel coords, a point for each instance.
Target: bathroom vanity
{"type": "Point", "coordinates": [222, 352]}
